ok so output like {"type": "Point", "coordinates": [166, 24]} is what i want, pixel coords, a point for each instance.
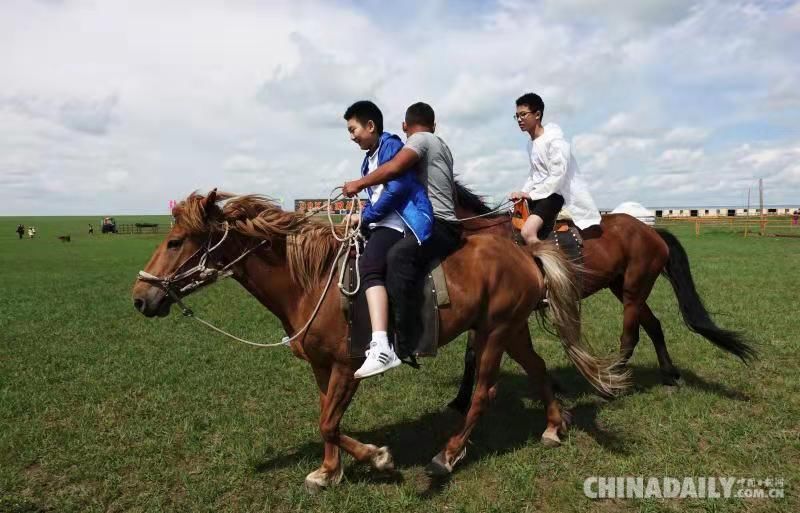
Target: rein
{"type": "Point", "coordinates": [208, 275]}
{"type": "Point", "coordinates": [502, 207]}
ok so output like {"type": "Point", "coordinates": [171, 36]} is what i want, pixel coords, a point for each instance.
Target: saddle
{"type": "Point", "coordinates": [565, 235]}
{"type": "Point", "coordinates": [356, 312]}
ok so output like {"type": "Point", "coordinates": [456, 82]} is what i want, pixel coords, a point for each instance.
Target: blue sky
{"type": "Point", "coordinates": [118, 107]}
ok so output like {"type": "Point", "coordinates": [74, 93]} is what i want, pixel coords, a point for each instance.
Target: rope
{"type": "Point", "coordinates": [498, 208]}
{"type": "Point", "coordinates": [350, 239]}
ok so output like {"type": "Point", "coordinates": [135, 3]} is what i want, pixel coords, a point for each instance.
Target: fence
{"type": "Point", "coordinates": [132, 229]}
{"type": "Point", "coordinates": [747, 227]}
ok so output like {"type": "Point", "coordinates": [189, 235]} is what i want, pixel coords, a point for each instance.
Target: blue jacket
{"type": "Point", "coordinates": [404, 194]}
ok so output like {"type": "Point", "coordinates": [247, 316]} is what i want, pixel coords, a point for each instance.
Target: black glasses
{"type": "Point", "coordinates": [521, 115]}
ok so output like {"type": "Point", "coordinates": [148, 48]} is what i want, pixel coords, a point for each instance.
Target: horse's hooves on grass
{"type": "Point", "coordinates": [314, 487]}
{"type": "Point", "coordinates": [319, 480]}
{"type": "Point", "coordinates": [672, 383]}
{"type": "Point", "coordinates": [549, 440]}
{"type": "Point", "coordinates": [438, 467]}
{"type": "Point", "coordinates": [382, 459]}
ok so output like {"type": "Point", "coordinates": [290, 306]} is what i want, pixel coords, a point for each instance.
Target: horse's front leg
{"type": "Point", "coordinates": [337, 388]}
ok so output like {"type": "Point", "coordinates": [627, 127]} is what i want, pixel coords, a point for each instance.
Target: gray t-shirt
{"type": "Point", "coordinates": [435, 168]}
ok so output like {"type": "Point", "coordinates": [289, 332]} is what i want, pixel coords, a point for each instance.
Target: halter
{"type": "Point", "coordinates": [208, 275]}
{"type": "Point", "coordinates": [200, 275]}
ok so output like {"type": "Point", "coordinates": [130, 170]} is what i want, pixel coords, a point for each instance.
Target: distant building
{"type": "Point", "coordinates": [340, 206]}
{"type": "Point", "coordinates": [721, 211]}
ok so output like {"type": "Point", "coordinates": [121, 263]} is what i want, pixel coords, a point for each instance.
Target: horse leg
{"type": "Point", "coordinates": [462, 400]}
{"type": "Point", "coordinates": [489, 356]}
{"type": "Point", "coordinates": [631, 308]}
{"type": "Point", "coordinates": [520, 349]}
{"type": "Point", "coordinates": [337, 388]}
{"type": "Point", "coordinates": [652, 326]}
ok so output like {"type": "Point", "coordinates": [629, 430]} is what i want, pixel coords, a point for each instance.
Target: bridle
{"type": "Point", "coordinates": [200, 275]}
{"type": "Point", "coordinates": [207, 275]}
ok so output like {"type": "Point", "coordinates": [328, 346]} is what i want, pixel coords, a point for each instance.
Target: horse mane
{"type": "Point", "coordinates": [468, 200]}
{"type": "Point", "coordinates": [310, 246]}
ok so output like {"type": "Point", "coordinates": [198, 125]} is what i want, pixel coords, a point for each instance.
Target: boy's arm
{"type": "Point", "coordinates": [400, 163]}
{"type": "Point", "coordinates": [395, 193]}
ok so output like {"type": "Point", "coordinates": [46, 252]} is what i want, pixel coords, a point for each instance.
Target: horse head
{"type": "Point", "coordinates": [183, 250]}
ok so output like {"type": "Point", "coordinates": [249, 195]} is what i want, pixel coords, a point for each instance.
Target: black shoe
{"type": "Point", "coordinates": [410, 360]}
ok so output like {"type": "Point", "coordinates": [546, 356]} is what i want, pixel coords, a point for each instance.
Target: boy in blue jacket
{"type": "Point", "coordinates": [399, 208]}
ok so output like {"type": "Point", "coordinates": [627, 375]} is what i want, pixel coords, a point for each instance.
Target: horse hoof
{"type": "Point", "coordinates": [440, 467]}
{"type": "Point", "coordinates": [673, 382]}
{"type": "Point", "coordinates": [382, 459]}
{"type": "Point", "coordinates": [550, 440]}
{"type": "Point", "coordinates": [319, 480]}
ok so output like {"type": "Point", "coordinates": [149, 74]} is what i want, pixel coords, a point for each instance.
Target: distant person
{"type": "Point", "coordinates": [20, 231]}
{"type": "Point", "coordinates": [795, 217]}
{"type": "Point", "coordinates": [91, 229]}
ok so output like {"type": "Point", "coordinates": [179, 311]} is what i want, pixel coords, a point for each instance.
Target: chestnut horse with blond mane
{"type": "Point", "coordinates": [282, 259]}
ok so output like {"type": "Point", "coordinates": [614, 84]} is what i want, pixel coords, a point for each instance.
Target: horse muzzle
{"type": "Point", "coordinates": [152, 302]}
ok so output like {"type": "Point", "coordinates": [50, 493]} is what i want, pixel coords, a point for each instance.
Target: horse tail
{"type": "Point", "coordinates": [564, 299]}
{"type": "Point", "coordinates": [694, 313]}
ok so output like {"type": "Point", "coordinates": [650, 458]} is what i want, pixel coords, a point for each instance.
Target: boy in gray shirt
{"type": "Point", "coordinates": [408, 260]}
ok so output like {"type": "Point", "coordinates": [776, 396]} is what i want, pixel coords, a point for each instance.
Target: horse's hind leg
{"type": "Point", "coordinates": [520, 349]}
{"type": "Point", "coordinates": [462, 401]}
{"type": "Point", "coordinates": [488, 357]}
{"type": "Point", "coordinates": [652, 326]}
{"type": "Point", "coordinates": [632, 291]}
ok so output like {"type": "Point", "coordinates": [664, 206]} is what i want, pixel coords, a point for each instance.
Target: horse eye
{"type": "Point", "coordinates": [174, 243]}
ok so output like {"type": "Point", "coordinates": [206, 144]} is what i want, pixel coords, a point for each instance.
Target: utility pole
{"type": "Point", "coordinates": [747, 217]}
{"type": "Point", "coordinates": [761, 204]}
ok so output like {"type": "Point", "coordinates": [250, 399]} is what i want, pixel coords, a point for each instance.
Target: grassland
{"type": "Point", "coordinates": [104, 410]}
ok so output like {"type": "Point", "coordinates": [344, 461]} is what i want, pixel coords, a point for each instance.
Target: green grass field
{"type": "Point", "coordinates": [104, 410]}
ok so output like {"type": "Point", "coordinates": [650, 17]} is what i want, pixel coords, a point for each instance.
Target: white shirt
{"type": "Point", "coordinates": [555, 170]}
{"type": "Point", "coordinates": [392, 220]}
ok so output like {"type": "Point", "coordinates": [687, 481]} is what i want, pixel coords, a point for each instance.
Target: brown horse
{"type": "Point", "coordinates": [626, 256]}
{"type": "Point", "coordinates": [282, 259]}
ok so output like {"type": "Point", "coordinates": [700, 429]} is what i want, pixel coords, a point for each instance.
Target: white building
{"type": "Point", "coordinates": [723, 211]}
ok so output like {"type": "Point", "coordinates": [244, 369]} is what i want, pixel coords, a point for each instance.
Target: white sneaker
{"type": "Point", "coordinates": [380, 358]}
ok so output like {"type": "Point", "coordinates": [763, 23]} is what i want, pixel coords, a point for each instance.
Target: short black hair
{"type": "Point", "coordinates": [533, 101]}
{"type": "Point", "coordinates": [364, 111]}
{"type": "Point", "coordinates": [421, 114]}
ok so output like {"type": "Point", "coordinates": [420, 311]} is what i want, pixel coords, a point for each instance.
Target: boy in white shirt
{"type": "Point", "coordinates": [554, 180]}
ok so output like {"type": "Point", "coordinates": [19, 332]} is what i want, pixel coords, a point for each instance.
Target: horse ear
{"type": "Point", "coordinates": [210, 202]}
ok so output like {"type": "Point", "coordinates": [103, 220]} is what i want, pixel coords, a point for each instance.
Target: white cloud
{"type": "Point", "coordinates": [148, 101]}
{"type": "Point", "coordinates": [680, 159]}
{"type": "Point", "coordinates": [687, 135]}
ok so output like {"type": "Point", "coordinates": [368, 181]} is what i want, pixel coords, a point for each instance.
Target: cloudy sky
{"type": "Point", "coordinates": [117, 107]}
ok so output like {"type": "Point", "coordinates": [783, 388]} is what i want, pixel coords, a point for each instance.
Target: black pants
{"type": "Point", "coordinates": [372, 265]}
{"type": "Point", "coordinates": [548, 209]}
{"type": "Point", "coordinates": [407, 263]}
